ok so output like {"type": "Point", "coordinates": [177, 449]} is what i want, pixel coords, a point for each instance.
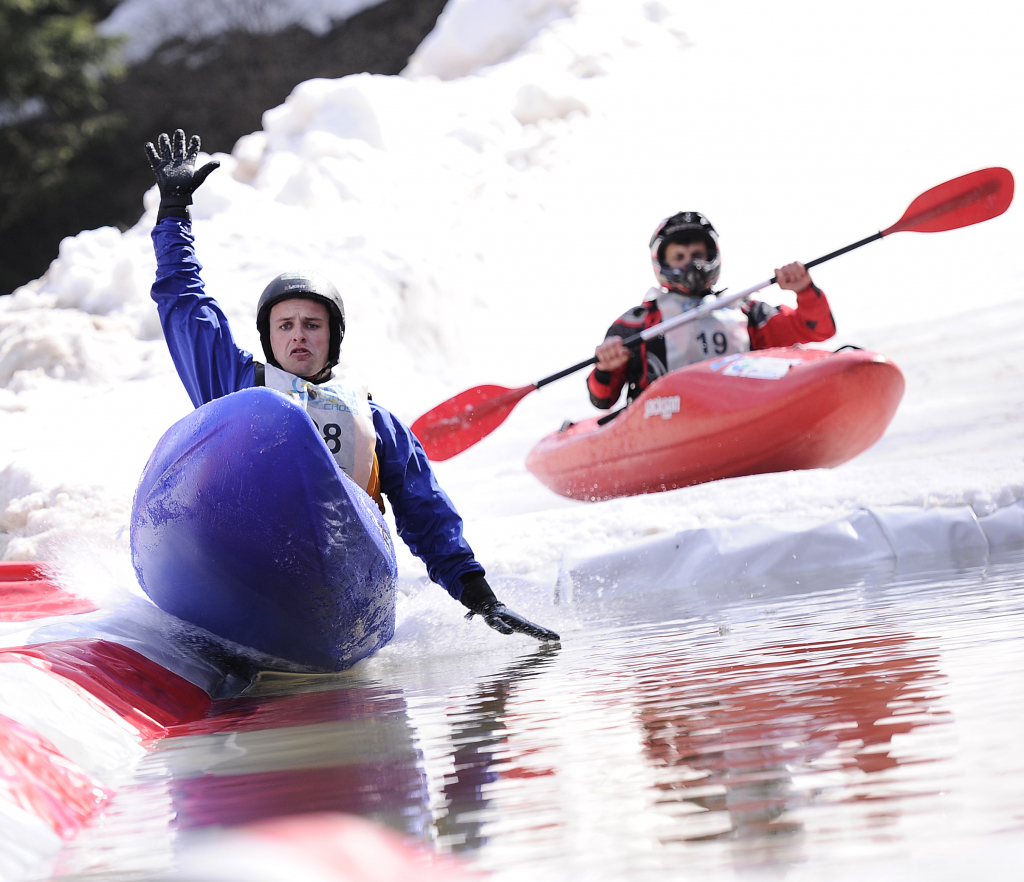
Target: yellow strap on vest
{"type": "Point", "coordinates": [373, 485]}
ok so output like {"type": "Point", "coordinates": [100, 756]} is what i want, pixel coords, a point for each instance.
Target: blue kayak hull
{"type": "Point", "coordinates": [244, 525]}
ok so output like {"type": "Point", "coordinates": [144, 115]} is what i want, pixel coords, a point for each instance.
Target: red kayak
{"type": "Point", "coordinates": [767, 411]}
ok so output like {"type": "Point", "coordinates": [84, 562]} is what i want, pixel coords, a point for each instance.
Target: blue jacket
{"type": "Point", "coordinates": [210, 365]}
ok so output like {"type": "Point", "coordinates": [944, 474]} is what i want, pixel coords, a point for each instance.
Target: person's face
{"type": "Point", "coordinates": [300, 335]}
{"type": "Point", "coordinates": [678, 255]}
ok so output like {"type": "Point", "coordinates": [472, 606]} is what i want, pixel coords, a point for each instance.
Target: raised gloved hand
{"type": "Point", "coordinates": [479, 598]}
{"type": "Point", "coordinates": [176, 175]}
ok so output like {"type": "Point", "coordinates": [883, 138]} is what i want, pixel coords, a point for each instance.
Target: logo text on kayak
{"type": "Point", "coordinates": [663, 407]}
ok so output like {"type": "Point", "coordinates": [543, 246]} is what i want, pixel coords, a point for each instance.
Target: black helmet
{"type": "Point", "coordinates": [306, 286]}
{"type": "Point", "coordinates": [697, 276]}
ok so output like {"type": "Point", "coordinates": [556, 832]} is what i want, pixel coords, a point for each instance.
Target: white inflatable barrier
{"type": "Point", "coordinates": [904, 536]}
{"type": "Point", "coordinates": [184, 649]}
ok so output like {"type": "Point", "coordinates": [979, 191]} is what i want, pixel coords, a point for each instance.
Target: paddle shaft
{"type": "Point", "coordinates": [699, 313]}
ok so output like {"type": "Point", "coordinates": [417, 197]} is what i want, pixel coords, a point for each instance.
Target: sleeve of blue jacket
{"type": "Point", "coordinates": [210, 364]}
{"type": "Point", "coordinates": [426, 518]}
{"type": "Point", "coordinates": [205, 355]}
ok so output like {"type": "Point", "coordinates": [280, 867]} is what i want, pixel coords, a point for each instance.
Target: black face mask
{"type": "Point", "coordinates": [693, 278]}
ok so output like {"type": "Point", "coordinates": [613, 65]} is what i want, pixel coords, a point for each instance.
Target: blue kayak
{"type": "Point", "coordinates": [244, 525]}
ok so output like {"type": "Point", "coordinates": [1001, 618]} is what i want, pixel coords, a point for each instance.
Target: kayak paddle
{"type": "Point", "coordinates": [461, 421]}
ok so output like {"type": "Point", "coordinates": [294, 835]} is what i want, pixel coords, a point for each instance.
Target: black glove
{"type": "Point", "coordinates": [479, 598]}
{"type": "Point", "coordinates": [175, 173]}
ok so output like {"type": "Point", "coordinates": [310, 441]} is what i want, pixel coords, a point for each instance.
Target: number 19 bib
{"type": "Point", "coordinates": [722, 332]}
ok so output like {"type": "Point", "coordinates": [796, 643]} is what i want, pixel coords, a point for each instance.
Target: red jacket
{"type": "Point", "coordinates": [767, 326]}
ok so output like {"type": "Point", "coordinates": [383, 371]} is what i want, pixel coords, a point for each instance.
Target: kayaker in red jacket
{"type": "Point", "coordinates": [687, 262]}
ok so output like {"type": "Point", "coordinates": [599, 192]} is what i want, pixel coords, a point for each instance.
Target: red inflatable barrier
{"type": "Point", "coordinates": [26, 594]}
{"type": "Point", "coordinates": [131, 687]}
{"type": "Point", "coordinates": [21, 570]}
{"type": "Point", "coordinates": [41, 781]}
{"type": "Point", "coordinates": [26, 600]}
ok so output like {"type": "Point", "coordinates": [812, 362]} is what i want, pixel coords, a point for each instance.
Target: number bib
{"type": "Point", "coordinates": [722, 332]}
{"type": "Point", "coordinates": [341, 412]}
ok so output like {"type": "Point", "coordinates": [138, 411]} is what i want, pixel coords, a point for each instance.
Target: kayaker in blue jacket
{"type": "Point", "coordinates": [301, 320]}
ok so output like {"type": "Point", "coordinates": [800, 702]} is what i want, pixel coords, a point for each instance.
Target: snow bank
{"type": "Point", "coordinates": [147, 23]}
{"type": "Point", "coordinates": [472, 34]}
{"type": "Point", "coordinates": [486, 216]}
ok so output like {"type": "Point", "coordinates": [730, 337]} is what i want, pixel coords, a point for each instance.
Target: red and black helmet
{"type": "Point", "coordinates": [697, 277]}
{"type": "Point", "coordinates": [305, 286]}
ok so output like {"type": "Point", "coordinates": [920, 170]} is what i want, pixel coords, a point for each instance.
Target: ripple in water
{"type": "Point", "coordinates": [854, 723]}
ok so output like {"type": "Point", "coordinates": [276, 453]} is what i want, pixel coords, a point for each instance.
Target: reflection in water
{"type": "Point", "coordinates": [788, 732]}
{"type": "Point", "coordinates": [480, 731]}
{"type": "Point", "coordinates": [350, 750]}
{"type": "Point", "coordinates": [738, 747]}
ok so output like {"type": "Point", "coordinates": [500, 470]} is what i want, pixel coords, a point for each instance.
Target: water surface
{"type": "Point", "coordinates": [838, 724]}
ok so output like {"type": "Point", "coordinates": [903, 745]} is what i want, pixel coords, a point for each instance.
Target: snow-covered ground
{"type": "Point", "coordinates": [486, 216]}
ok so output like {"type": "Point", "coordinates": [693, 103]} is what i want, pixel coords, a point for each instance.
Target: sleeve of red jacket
{"type": "Point", "coordinates": [810, 322]}
{"type": "Point", "coordinates": [605, 387]}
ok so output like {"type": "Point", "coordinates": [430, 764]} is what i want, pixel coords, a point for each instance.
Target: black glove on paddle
{"type": "Point", "coordinates": [479, 598]}
{"type": "Point", "coordinates": [175, 173]}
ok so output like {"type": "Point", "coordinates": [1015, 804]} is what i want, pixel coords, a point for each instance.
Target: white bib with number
{"type": "Point", "coordinates": [341, 412]}
{"type": "Point", "coordinates": [722, 332]}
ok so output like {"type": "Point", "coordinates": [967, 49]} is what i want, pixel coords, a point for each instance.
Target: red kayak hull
{"type": "Point", "coordinates": [769, 411]}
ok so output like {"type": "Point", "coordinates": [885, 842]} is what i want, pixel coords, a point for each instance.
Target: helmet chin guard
{"type": "Point", "coordinates": [304, 286]}
{"type": "Point", "coordinates": [693, 279]}
{"type": "Point", "coordinates": [698, 276]}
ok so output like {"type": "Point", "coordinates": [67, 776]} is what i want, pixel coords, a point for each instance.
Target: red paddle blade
{"type": "Point", "coordinates": [969, 199]}
{"type": "Point", "coordinates": [461, 421]}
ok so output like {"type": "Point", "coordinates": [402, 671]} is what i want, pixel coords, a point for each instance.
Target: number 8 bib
{"type": "Point", "coordinates": [341, 412]}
